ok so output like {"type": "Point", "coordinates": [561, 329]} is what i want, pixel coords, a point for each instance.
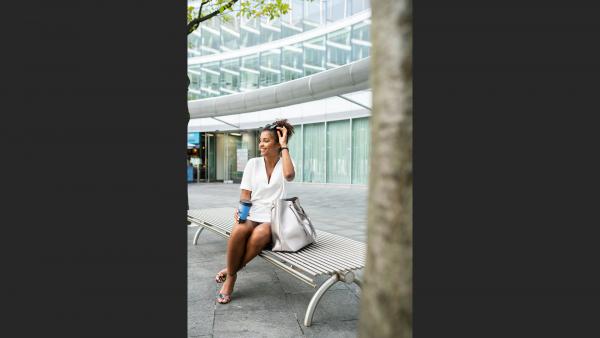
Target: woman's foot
{"type": "Point", "coordinates": [227, 289]}
{"type": "Point", "coordinates": [221, 276]}
{"type": "Point", "coordinates": [223, 298]}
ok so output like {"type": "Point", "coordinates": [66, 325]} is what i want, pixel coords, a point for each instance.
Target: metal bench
{"type": "Point", "coordinates": [332, 255]}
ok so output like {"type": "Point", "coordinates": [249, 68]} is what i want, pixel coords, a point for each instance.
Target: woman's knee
{"type": "Point", "coordinates": [261, 236]}
{"type": "Point", "coordinates": [241, 229]}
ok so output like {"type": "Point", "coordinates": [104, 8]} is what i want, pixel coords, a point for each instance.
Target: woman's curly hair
{"type": "Point", "coordinates": [272, 127]}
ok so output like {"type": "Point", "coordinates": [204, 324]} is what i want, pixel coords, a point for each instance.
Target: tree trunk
{"type": "Point", "coordinates": [386, 298]}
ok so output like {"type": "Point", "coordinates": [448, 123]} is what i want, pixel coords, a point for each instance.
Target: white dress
{"type": "Point", "coordinates": [264, 192]}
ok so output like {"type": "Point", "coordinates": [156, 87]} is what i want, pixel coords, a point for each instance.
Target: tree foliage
{"type": "Point", "coordinates": [226, 9]}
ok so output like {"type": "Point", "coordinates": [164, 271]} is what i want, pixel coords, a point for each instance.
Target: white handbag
{"type": "Point", "coordinates": [291, 229]}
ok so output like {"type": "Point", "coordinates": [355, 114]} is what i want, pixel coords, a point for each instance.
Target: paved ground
{"type": "Point", "coordinates": [268, 302]}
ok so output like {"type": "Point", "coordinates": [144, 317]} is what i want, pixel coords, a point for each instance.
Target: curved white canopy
{"type": "Point", "coordinates": [330, 109]}
{"type": "Point", "coordinates": [338, 81]}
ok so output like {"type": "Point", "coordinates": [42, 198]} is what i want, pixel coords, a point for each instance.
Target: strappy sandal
{"type": "Point", "coordinates": [221, 276]}
{"type": "Point", "coordinates": [224, 298]}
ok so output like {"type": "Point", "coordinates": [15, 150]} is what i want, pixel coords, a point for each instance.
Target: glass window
{"type": "Point", "coordinates": [269, 30]}
{"type": "Point", "coordinates": [195, 76]}
{"type": "Point", "coordinates": [361, 40]}
{"type": "Point", "coordinates": [314, 153]}
{"type": "Point", "coordinates": [338, 48]}
{"type": "Point", "coordinates": [210, 37]}
{"type": "Point", "coordinates": [295, 146]}
{"type": "Point", "coordinates": [312, 15]}
{"type": "Point", "coordinates": [249, 72]}
{"type": "Point", "coordinates": [291, 62]}
{"type": "Point", "coordinates": [291, 23]}
{"type": "Point", "coordinates": [193, 96]}
{"type": "Point", "coordinates": [230, 76]}
{"type": "Point", "coordinates": [209, 79]}
{"type": "Point", "coordinates": [194, 43]}
{"type": "Point", "coordinates": [249, 141]}
{"type": "Point", "coordinates": [314, 56]}
{"type": "Point", "coordinates": [234, 142]}
{"type": "Point", "coordinates": [336, 9]}
{"type": "Point", "coordinates": [211, 160]}
{"type": "Point", "coordinates": [360, 5]}
{"type": "Point", "coordinates": [361, 139]}
{"type": "Point", "coordinates": [230, 35]}
{"type": "Point", "coordinates": [270, 72]}
{"type": "Point", "coordinates": [249, 32]}
{"type": "Point", "coordinates": [338, 152]}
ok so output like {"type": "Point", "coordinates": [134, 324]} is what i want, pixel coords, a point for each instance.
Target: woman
{"type": "Point", "coordinates": [262, 183]}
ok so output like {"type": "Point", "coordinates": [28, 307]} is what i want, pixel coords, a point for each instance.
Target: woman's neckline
{"type": "Point", "coordinates": [266, 173]}
{"type": "Point", "coordinates": [265, 160]}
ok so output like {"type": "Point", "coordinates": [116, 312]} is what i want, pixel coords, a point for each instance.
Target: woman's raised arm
{"type": "Point", "coordinates": [288, 167]}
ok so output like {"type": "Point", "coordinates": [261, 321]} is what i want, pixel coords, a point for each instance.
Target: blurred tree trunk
{"type": "Point", "coordinates": [386, 298]}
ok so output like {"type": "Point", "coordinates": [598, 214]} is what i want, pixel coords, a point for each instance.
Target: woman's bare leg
{"type": "Point", "coordinates": [236, 248]}
{"type": "Point", "coordinates": [258, 239]}
{"type": "Point", "coordinates": [236, 245]}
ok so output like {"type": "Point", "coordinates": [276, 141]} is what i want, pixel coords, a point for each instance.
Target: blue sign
{"type": "Point", "coordinates": [194, 138]}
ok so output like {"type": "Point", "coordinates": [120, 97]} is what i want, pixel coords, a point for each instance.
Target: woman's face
{"type": "Point", "coordinates": [267, 143]}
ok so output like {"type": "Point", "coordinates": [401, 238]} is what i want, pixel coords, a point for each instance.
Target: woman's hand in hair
{"type": "Point", "coordinates": [288, 166]}
{"type": "Point", "coordinates": [282, 135]}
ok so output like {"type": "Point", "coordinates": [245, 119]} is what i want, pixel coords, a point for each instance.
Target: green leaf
{"type": "Point", "coordinates": [270, 9]}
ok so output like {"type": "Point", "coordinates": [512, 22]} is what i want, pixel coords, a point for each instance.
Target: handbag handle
{"type": "Point", "coordinates": [311, 230]}
{"type": "Point", "coordinates": [303, 212]}
{"type": "Point", "coordinates": [308, 229]}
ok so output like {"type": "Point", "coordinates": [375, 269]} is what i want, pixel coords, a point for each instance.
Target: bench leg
{"type": "Point", "coordinates": [317, 297]}
{"type": "Point", "coordinates": [198, 234]}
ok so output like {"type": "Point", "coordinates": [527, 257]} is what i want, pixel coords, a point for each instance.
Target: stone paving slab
{"type": "Point", "coordinates": [256, 323]}
{"type": "Point", "coordinates": [267, 301]}
{"type": "Point", "coordinates": [200, 317]}
{"type": "Point", "coordinates": [333, 329]}
{"type": "Point", "coordinates": [336, 305]}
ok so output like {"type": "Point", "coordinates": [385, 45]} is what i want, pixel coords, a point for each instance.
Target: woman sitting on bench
{"type": "Point", "coordinates": [263, 182]}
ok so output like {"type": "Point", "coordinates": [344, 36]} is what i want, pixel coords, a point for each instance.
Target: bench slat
{"type": "Point", "coordinates": [317, 258]}
{"type": "Point", "coordinates": [325, 257]}
{"type": "Point", "coordinates": [323, 266]}
{"type": "Point", "coordinates": [337, 250]}
{"type": "Point", "coordinates": [332, 253]}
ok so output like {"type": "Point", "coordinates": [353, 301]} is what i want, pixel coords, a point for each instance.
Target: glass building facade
{"type": "Point", "coordinates": [332, 152]}
{"type": "Point", "coordinates": [310, 51]}
{"type": "Point", "coordinates": [243, 55]}
{"type": "Point", "coordinates": [324, 152]}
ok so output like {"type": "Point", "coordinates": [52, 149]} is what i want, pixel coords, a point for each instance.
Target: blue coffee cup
{"type": "Point", "coordinates": [244, 209]}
